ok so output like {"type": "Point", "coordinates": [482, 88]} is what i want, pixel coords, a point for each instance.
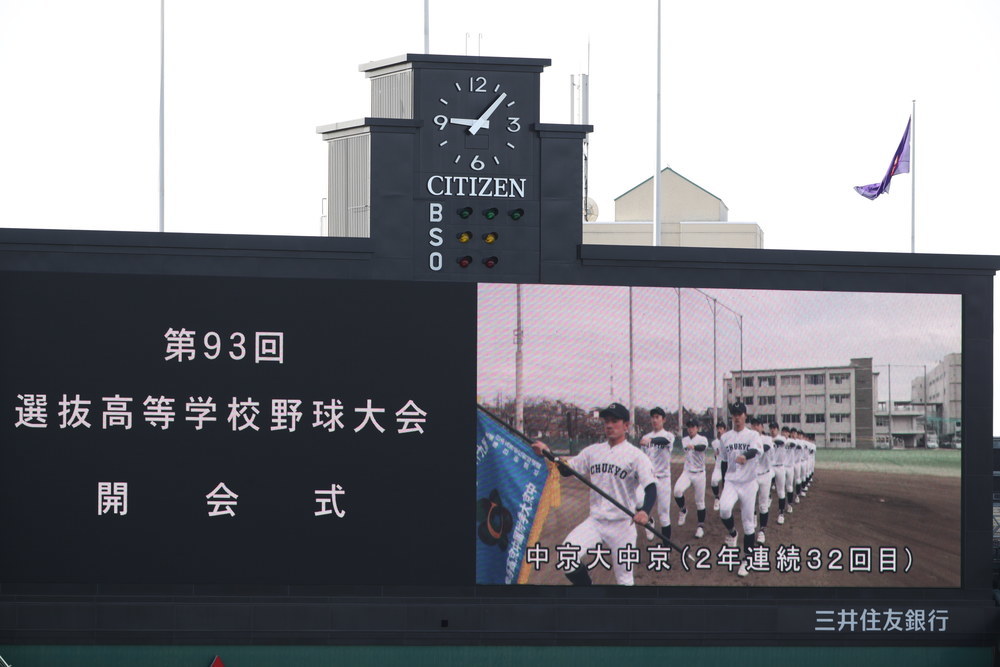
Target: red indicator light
{"type": "Point", "coordinates": [464, 261]}
{"type": "Point", "coordinates": [490, 262]}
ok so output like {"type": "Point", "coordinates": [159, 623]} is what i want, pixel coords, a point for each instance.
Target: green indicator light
{"type": "Point", "coordinates": [491, 213]}
{"type": "Point", "coordinates": [517, 214]}
{"type": "Point", "coordinates": [464, 213]}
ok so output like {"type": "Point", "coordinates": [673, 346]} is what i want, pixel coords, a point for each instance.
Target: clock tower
{"type": "Point", "coordinates": [455, 176]}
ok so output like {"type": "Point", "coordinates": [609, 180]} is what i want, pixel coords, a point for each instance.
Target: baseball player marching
{"type": "Point", "coordinates": [778, 464]}
{"type": "Point", "coordinates": [791, 456]}
{"type": "Point", "coordinates": [810, 464]}
{"type": "Point", "coordinates": [799, 437]}
{"type": "Point", "coordinates": [719, 469]}
{"type": "Point", "coordinates": [693, 474]}
{"type": "Point", "coordinates": [764, 476]}
{"type": "Point", "coordinates": [658, 445]}
{"type": "Point", "coordinates": [618, 468]}
{"type": "Point", "coordinates": [740, 447]}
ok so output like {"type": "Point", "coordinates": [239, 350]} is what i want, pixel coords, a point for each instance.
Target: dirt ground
{"type": "Point", "coordinates": [843, 509]}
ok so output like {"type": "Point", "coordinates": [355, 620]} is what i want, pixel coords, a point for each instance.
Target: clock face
{"type": "Point", "coordinates": [477, 125]}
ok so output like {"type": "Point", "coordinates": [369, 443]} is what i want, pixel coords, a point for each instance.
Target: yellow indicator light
{"type": "Point", "coordinates": [490, 237]}
{"type": "Point", "coordinates": [464, 237]}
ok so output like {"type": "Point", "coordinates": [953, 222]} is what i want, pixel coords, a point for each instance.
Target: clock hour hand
{"type": "Point", "coordinates": [468, 122]}
{"type": "Point", "coordinates": [481, 122]}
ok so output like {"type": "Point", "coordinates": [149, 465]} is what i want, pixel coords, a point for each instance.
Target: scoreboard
{"type": "Point", "coordinates": [252, 439]}
{"type": "Point", "coordinates": [193, 416]}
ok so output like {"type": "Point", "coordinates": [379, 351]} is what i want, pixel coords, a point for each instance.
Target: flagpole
{"type": "Point", "coordinates": [656, 175]}
{"type": "Point", "coordinates": [913, 179]}
{"type": "Point", "coordinates": [162, 2]}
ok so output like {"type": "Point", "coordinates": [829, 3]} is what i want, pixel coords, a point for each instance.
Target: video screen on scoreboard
{"type": "Point", "coordinates": [855, 479]}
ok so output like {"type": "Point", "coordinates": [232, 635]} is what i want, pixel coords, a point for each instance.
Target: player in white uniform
{"type": "Point", "coordinates": [740, 447]}
{"type": "Point", "coordinates": [778, 457]}
{"type": "Point", "coordinates": [810, 463]}
{"type": "Point", "coordinates": [618, 468]}
{"type": "Point", "coordinates": [658, 445]}
{"type": "Point", "coordinates": [718, 470]}
{"type": "Point", "coordinates": [693, 474]}
{"type": "Point", "coordinates": [790, 444]}
{"type": "Point", "coordinates": [792, 458]}
{"type": "Point", "coordinates": [764, 476]}
{"type": "Point", "coordinates": [800, 449]}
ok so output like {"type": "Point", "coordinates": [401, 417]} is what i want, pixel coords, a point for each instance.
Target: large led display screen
{"type": "Point", "coordinates": [319, 432]}
{"type": "Point", "coordinates": [857, 485]}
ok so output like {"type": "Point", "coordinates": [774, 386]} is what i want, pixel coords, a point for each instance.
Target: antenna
{"type": "Point", "coordinates": [479, 46]}
{"type": "Point", "coordinates": [579, 113]}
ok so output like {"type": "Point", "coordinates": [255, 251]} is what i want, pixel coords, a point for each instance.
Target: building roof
{"type": "Point", "coordinates": [803, 369]}
{"type": "Point", "coordinates": [666, 169]}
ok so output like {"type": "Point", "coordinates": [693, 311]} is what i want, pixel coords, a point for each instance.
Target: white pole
{"type": "Point", "coordinates": [161, 115]}
{"type": "Point", "coordinates": [519, 367]}
{"type": "Point", "coordinates": [715, 370]}
{"type": "Point", "coordinates": [680, 355]}
{"type": "Point", "coordinates": [913, 179]}
{"type": "Point", "coordinates": [926, 429]}
{"type": "Point", "coordinates": [656, 175]}
{"type": "Point", "coordinates": [891, 441]}
{"type": "Point", "coordinates": [427, 26]}
{"type": "Point", "coordinates": [631, 363]}
{"type": "Point", "coordinates": [572, 99]}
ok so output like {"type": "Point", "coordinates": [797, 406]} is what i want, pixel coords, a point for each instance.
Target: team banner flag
{"type": "Point", "coordinates": [900, 165]}
{"type": "Point", "coordinates": [515, 488]}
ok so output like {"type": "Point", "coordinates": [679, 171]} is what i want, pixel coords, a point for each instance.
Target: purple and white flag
{"type": "Point", "coordinates": [900, 165]}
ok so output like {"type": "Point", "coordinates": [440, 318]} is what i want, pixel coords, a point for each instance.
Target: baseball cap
{"type": "Point", "coordinates": [737, 408]}
{"type": "Point", "coordinates": [615, 411]}
{"type": "Point", "coordinates": [720, 424]}
{"type": "Point", "coordinates": [785, 428]}
{"type": "Point", "coordinates": [691, 422]}
{"type": "Point", "coordinates": [754, 421]}
{"type": "Point", "coordinates": [773, 425]}
{"type": "Point", "coordinates": [658, 411]}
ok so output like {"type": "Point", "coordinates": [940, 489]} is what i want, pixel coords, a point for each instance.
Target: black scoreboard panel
{"type": "Point", "coordinates": [232, 430]}
{"type": "Point", "coordinates": [276, 428]}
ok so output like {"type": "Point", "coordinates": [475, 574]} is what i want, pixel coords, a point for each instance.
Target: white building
{"type": "Point", "coordinates": [903, 427]}
{"type": "Point", "coordinates": [690, 216]}
{"type": "Point", "coordinates": [833, 404]}
{"type": "Point", "coordinates": [943, 397]}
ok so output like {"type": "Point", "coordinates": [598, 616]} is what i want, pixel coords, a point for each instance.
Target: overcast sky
{"type": "Point", "coordinates": [778, 107]}
{"type": "Point", "coordinates": [576, 339]}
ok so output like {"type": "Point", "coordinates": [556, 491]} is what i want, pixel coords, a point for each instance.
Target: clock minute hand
{"type": "Point", "coordinates": [468, 122]}
{"type": "Point", "coordinates": [481, 122]}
